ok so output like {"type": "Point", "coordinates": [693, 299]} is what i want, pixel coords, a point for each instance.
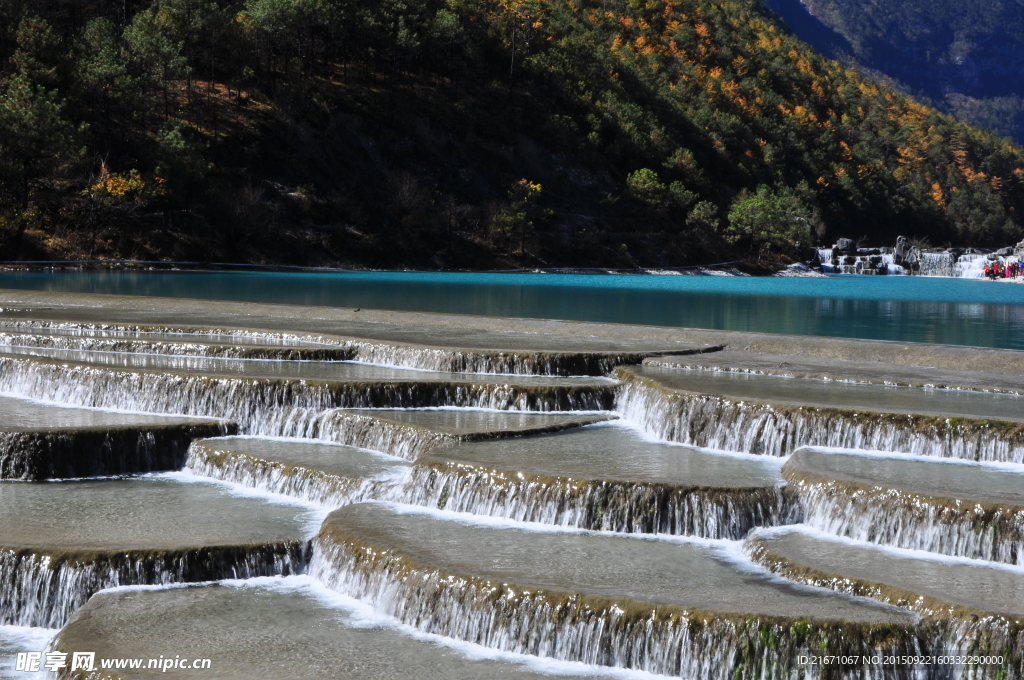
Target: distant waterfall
{"type": "Point", "coordinates": [931, 263]}
{"type": "Point", "coordinates": [938, 264]}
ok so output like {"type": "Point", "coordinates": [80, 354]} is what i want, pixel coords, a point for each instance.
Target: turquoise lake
{"type": "Point", "coordinates": [907, 309]}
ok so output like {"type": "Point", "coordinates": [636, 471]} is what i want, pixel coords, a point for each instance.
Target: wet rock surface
{"type": "Point", "coordinates": [60, 542]}
{"type": "Point", "coordinates": [45, 441]}
{"type": "Point", "coordinates": [272, 628]}
{"type": "Point", "coordinates": [328, 474]}
{"type": "Point", "coordinates": [668, 405]}
{"type": "Point", "coordinates": [679, 574]}
{"type": "Point", "coordinates": [928, 584]}
{"type": "Point", "coordinates": [877, 398]}
{"type": "Point", "coordinates": [409, 433]}
{"type": "Point", "coordinates": [597, 598]}
{"type": "Point", "coordinates": [843, 370]}
{"type": "Point", "coordinates": [476, 332]}
{"type": "Point", "coordinates": [657, 514]}
{"type": "Point", "coordinates": [604, 477]}
{"type": "Point", "coordinates": [149, 512]}
{"type": "Point", "coordinates": [941, 479]}
{"type": "Point", "coordinates": [942, 506]}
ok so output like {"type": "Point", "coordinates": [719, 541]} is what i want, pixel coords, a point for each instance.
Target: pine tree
{"type": "Point", "coordinates": [36, 142]}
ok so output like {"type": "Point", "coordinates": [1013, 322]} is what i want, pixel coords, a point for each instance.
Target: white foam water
{"type": "Point", "coordinates": [600, 505]}
{"type": "Point", "coordinates": [907, 520]}
{"type": "Point", "coordinates": [706, 420]}
{"type": "Point", "coordinates": [275, 407]}
{"type": "Point", "coordinates": [20, 639]}
{"type": "Point", "coordinates": [360, 614]}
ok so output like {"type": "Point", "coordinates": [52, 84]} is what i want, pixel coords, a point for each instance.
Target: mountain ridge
{"type": "Point", "coordinates": [466, 134]}
{"type": "Point", "coordinates": [962, 57]}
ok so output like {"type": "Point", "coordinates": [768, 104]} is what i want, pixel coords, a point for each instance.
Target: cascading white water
{"type": "Point", "coordinates": [44, 590]}
{"type": "Point", "coordinates": [944, 631]}
{"type": "Point", "coordinates": [906, 520]}
{"type": "Point", "coordinates": [284, 346]}
{"type": "Point", "coordinates": [510, 363]}
{"type": "Point", "coordinates": [273, 407]}
{"type": "Point", "coordinates": [593, 630]}
{"type": "Point", "coordinates": [367, 432]}
{"type": "Point", "coordinates": [859, 264]}
{"type": "Point", "coordinates": [938, 264]}
{"type": "Point", "coordinates": [593, 504]}
{"type": "Point", "coordinates": [752, 427]}
{"type": "Point", "coordinates": [971, 266]}
{"type": "Point", "coordinates": [945, 263]}
{"type": "Point", "coordinates": [304, 483]}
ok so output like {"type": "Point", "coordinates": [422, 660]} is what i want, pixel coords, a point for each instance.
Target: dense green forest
{"type": "Point", "coordinates": [464, 134]}
{"type": "Point", "coordinates": [964, 57]}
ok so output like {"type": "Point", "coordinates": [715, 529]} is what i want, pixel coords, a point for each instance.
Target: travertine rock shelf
{"type": "Point", "coordinates": [538, 496]}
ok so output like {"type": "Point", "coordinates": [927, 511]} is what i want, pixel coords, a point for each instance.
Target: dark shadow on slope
{"type": "Point", "coordinates": [811, 30]}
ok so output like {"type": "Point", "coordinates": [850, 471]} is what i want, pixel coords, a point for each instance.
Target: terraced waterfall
{"type": "Point", "coordinates": [345, 500]}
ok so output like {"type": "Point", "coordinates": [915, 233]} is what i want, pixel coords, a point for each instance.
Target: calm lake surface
{"type": "Point", "coordinates": [907, 309]}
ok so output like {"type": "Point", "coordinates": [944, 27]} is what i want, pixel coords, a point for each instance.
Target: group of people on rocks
{"type": "Point", "coordinates": [998, 270]}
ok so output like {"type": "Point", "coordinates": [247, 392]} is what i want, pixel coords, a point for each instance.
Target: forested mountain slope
{"type": "Point", "coordinates": [464, 133]}
{"type": "Point", "coordinates": [965, 56]}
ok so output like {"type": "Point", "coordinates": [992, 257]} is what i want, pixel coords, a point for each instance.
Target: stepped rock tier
{"type": "Point", "coordinates": [411, 432]}
{"type": "Point", "coordinates": [167, 326]}
{"type": "Point", "coordinates": [927, 583]}
{"type": "Point", "coordinates": [844, 370]}
{"type": "Point", "coordinates": [45, 441]}
{"type": "Point", "coordinates": [969, 609]}
{"type": "Point", "coordinates": [61, 542]}
{"type": "Point", "coordinates": [219, 367]}
{"type": "Point", "coordinates": [944, 506]}
{"type": "Point", "coordinates": [287, 629]}
{"type": "Point", "coordinates": [285, 398]}
{"type": "Point", "coordinates": [537, 496]}
{"type": "Point", "coordinates": [453, 339]}
{"type": "Point", "coordinates": [328, 474]}
{"type": "Point", "coordinates": [775, 416]}
{"type": "Point", "coordinates": [605, 477]}
{"type": "Point", "coordinates": [233, 344]}
{"type": "Point", "coordinates": [667, 607]}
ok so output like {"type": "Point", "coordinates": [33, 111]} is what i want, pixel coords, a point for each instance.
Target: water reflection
{"type": "Point", "coordinates": [918, 309]}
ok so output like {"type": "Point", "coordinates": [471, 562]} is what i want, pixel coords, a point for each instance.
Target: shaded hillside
{"type": "Point", "coordinates": [467, 133]}
{"type": "Point", "coordinates": [965, 57]}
